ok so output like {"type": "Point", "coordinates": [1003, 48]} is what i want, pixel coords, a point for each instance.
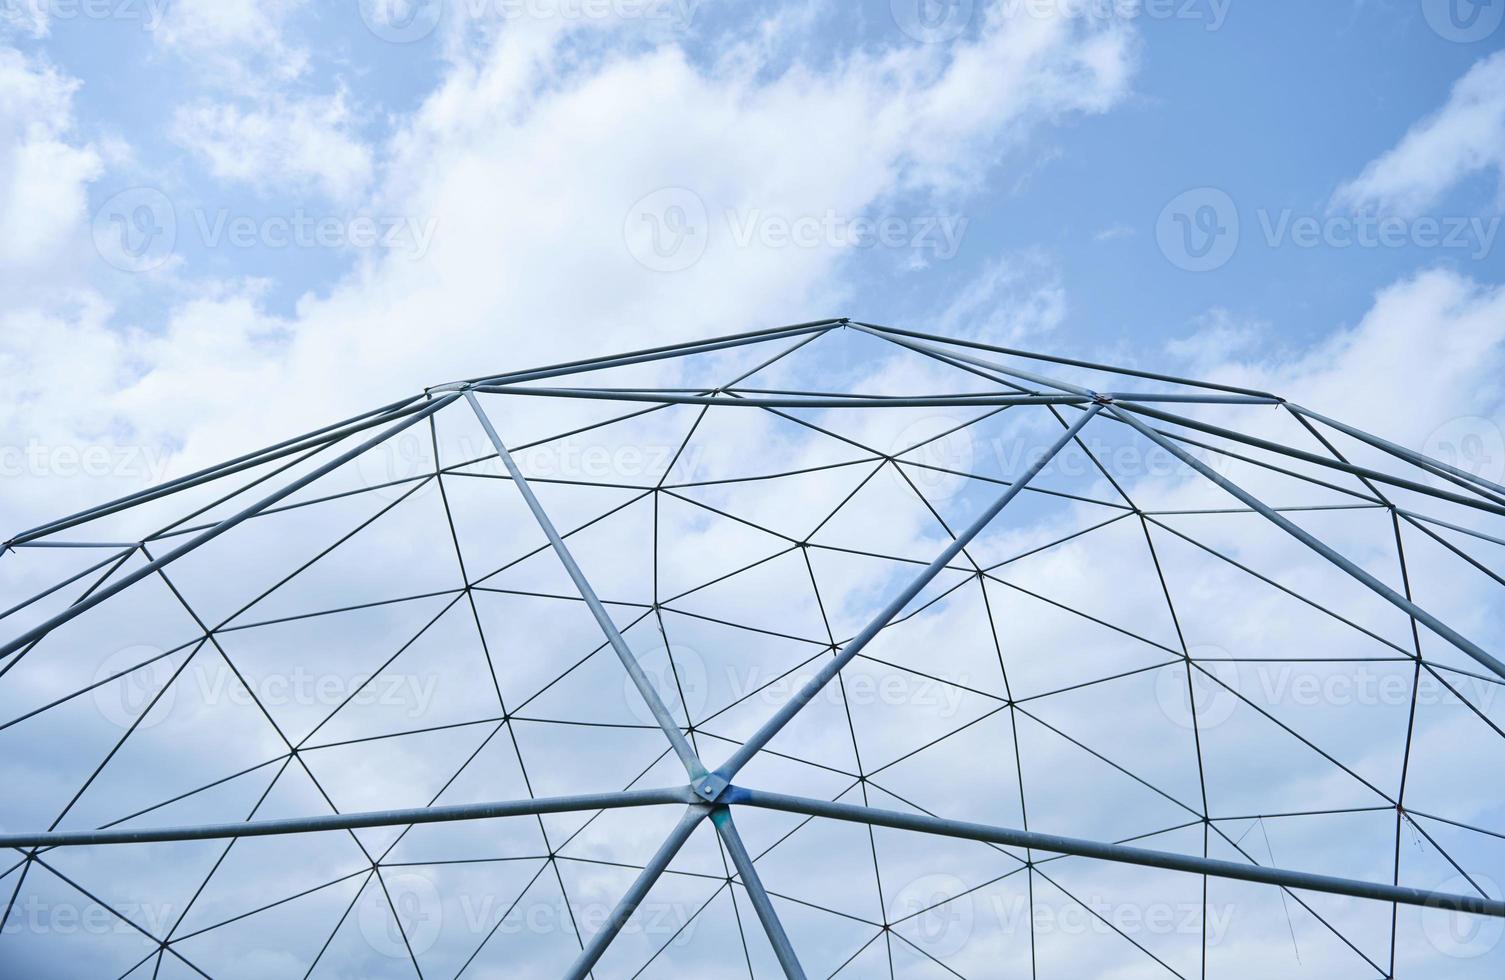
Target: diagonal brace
{"type": "Point", "coordinates": [722, 818]}
{"type": "Point", "coordinates": [629, 660]}
{"type": "Point", "coordinates": [1311, 541]}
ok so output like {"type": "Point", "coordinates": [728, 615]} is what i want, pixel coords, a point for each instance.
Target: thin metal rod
{"type": "Point", "coordinates": [350, 821]}
{"type": "Point", "coordinates": [327, 435]}
{"type": "Point", "coordinates": [1410, 456]}
{"type": "Point", "coordinates": [37, 632]}
{"type": "Point", "coordinates": [1119, 853]}
{"type": "Point", "coordinates": [1393, 597]}
{"type": "Point", "coordinates": [792, 707]}
{"type": "Point", "coordinates": [776, 401]}
{"type": "Point", "coordinates": [1029, 376]}
{"type": "Point", "coordinates": [629, 660]}
{"type": "Point", "coordinates": [629, 902]}
{"type": "Point", "coordinates": [722, 818]}
{"type": "Point", "coordinates": [1070, 361]}
{"type": "Point", "coordinates": [648, 354]}
{"type": "Point", "coordinates": [1291, 452]}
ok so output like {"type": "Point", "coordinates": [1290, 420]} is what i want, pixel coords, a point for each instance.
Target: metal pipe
{"type": "Point", "coordinates": [1311, 541]}
{"type": "Point", "coordinates": [777, 937]}
{"type": "Point", "coordinates": [1070, 361]}
{"type": "Point", "coordinates": [351, 821]}
{"type": "Point", "coordinates": [776, 401]}
{"type": "Point", "coordinates": [648, 354]}
{"type": "Point", "coordinates": [638, 890]}
{"type": "Point", "coordinates": [629, 660]}
{"type": "Point", "coordinates": [327, 434]}
{"type": "Point", "coordinates": [1120, 853]}
{"type": "Point", "coordinates": [42, 629]}
{"type": "Point", "coordinates": [1410, 456]}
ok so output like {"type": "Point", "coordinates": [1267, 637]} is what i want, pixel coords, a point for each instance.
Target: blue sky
{"type": "Point", "coordinates": [1222, 95]}
{"type": "Point", "coordinates": [226, 221]}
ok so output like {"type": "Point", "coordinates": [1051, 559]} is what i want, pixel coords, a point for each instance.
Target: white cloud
{"type": "Point", "coordinates": [225, 34]}
{"type": "Point", "coordinates": [282, 143]}
{"type": "Point", "coordinates": [1013, 298]}
{"type": "Point", "coordinates": [1465, 137]}
{"type": "Point", "coordinates": [44, 170]}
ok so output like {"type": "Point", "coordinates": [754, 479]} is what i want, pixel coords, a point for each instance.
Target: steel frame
{"type": "Point", "coordinates": [714, 794]}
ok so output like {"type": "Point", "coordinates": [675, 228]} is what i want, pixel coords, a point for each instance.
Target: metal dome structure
{"type": "Point", "coordinates": [828, 650]}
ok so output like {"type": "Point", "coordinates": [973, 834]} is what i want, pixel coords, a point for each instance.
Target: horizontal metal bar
{"type": "Point", "coordinates": [354, 821]}
{"type": "Point", "coordinates": [1120, 853]}
{"type": "Point", "coordinates": [776, 401]}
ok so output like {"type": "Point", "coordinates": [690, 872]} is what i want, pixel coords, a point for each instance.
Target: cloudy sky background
{"type": "Point", "coordinates": [190, 198]}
